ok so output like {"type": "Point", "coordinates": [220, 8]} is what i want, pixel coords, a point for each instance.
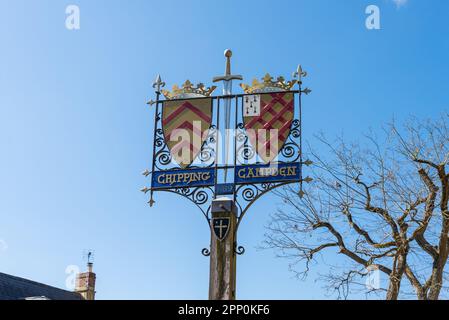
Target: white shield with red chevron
{"type": "Point", "coordinates": [268, 119]}
{"type": "Point", "coordinates": [186, 124]}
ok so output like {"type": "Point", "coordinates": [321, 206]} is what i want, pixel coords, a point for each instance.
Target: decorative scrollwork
{"type": "Point", "coordinates": [294, 131]}
{"type": "Point", "coordinates": [240, 250]}
{"type": "Point", "coordinates": [250, 192]}
{"type": "Point", "coordinates": [199, 196]}
{"type": "Point", "coordinates": [162, 156]}
{"type": "Point", "coordinates": [245, 153]}
{"type": "Point", "coordinates": [288, 150]}
{"type": "Point", "coordinates": [205, 252]}
{"type": "Point", "coordinates": [291, 150]}
{"type": "Point", "coordinates": [246, 195]}
{"type": "Point", "coordinates": [163, 159]}
{"type": "Point", "coordinates": [208, 152]}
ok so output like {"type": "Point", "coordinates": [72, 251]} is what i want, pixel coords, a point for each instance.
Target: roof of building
{"type": "Point", "coordinates": [15, 288]}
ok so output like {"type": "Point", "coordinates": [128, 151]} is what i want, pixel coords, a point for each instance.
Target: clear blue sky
{"type": "Point", "coordinates": [76, 134]}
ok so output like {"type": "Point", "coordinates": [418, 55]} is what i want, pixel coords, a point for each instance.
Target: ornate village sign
{"type": "Point", "coordinates": [223, 152]}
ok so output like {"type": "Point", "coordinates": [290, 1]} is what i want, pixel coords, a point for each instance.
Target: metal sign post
{"type": "Point", "coordinates": [266, 126]}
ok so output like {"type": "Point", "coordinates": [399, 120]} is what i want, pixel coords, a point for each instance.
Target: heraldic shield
{"type": "Point", "coordinates": [221, 227]}
{"type": "Point", "coordinates": [268, 123]}
{"type": "Point", "coordinates": [186, 124]}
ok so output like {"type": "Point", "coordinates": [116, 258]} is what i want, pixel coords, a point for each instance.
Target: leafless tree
{"type": "Point", "coordinates": [382, 205]}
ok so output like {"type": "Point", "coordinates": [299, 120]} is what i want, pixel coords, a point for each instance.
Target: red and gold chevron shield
{"type": "Point", "coordinates": [186, 124]}
{"type": "Point", "coordinates": [270, 127]}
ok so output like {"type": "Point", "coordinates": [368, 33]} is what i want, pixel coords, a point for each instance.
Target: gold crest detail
{"type": "Point", "coordinates": [268, 85]}
{"type": "Point", "coordinates": [188, 90]}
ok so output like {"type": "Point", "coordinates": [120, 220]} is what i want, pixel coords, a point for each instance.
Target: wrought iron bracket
{"type": "Point", "coordinates": [205, 252]}
{"type": "Point", "coordinates": [239, 250]}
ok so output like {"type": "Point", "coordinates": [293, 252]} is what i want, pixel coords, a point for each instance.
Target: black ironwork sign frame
{"type": "Point", "coordinates": [244, 194]}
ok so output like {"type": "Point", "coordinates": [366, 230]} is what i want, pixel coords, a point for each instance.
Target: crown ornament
{"type": "Point", "coordinates": [268, 85]}
{"type": "Point", "coordinates": [188, 90]}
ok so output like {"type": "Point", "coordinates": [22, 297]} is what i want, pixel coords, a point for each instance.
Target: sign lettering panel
{"type": "Point", "coordinates": [268, 173]}
{"type": "Point", "coordinates": [172, 179]}
{"type": "Point", "coordinates": [224, 189]}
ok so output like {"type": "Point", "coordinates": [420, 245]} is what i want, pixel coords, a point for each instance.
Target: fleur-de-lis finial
{"type": "Point", "coordinates": [299, 73]}
{"type": "Point", "coordinates": [158, 84]}
{"type": "Point", "coordinates": [151, 202]}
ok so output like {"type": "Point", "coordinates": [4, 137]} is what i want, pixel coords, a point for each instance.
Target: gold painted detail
{"type": "Point", "coordinates": [185, 177]}
{"type": "Point", "coordinates": [251, 173]}
{"type": "Point", "coordinates": [188, 90]}
{"type": "Point", "coordinates": [268, 85]}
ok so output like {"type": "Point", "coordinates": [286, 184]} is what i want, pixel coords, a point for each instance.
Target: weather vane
{"type": "Point", "coordinates": [88, 255]}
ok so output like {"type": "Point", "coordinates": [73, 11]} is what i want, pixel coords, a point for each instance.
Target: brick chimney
{"type": "Point", "coordinates": [85, 283]}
